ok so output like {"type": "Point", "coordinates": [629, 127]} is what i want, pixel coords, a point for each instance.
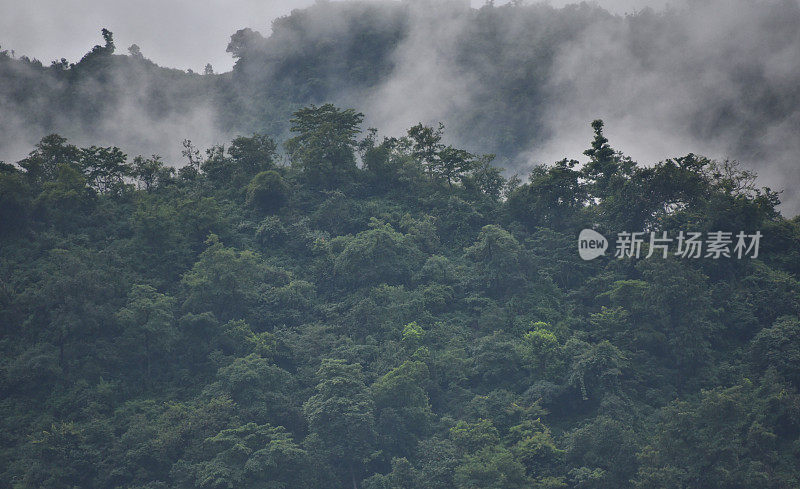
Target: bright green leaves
{"type": "Point", "coordinates": [543, 352]}
{"type": "Point", "coordinates": [412, 336]}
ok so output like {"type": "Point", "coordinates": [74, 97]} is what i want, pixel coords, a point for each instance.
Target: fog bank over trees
{"type": "Point", "coordinates": [521, 81]}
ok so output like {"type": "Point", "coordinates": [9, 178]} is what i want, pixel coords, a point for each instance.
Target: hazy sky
{"type": "Point", "coordinates": [175, 33]}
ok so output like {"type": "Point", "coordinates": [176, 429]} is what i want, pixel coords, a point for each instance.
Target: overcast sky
{"type": "Point", "coordinates": [175, 33]}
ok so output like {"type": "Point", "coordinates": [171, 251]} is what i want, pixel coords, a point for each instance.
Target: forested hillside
{"type": "Point", "coordinates": [388, 313]}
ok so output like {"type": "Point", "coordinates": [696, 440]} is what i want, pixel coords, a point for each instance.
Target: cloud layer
{"type": "Point", "coordinates": [717, 77]}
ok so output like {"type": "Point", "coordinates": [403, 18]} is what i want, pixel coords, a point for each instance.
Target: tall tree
{"type": "Point", "coordinates": [52, 151]}
{"type": "Point", "coordinates": [148, 317]}
{"type": "Point", "coordinates": [341, 417]}
{"type": "Point", "coordinates": [426, 143]}
{"type": "Point", "coordinates": [105, 168]}
{"type": "Point", "coordinates": [324, 148]}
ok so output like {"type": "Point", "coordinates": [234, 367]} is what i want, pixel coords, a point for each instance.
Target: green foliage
{"type": "Point", "coordinates": [105, 168]}
{"type": "Point", "coordinates": [323, 150]}
{"type": "Point", "coordinates": [553, 197]}
{"type": "Point", "coordinates": [379, 255]}
{"type": "Point", "coordinates": [226, 282]}
{"type": "Point", "coordinates": [778, 347]}
{"type": "Point", "coordinates": [247, 157]}
{"type": "Point", "coordinates": [60, 456]}
{"type": "Point", "coordinates": [604, 451]}
{"type": "Point", "coordinates": [454, 164]}
{"type": "Point", "coordinates": [15, 201]}
{"type": "Point", "coordinates": [603, 160]}
{"type": "Point", "coordinates": [596, 367]}
{"type": "Point", "coordinates": [66, 193]}
{"type": "Point", "coordinates": [253, 154]}
{"type": "Point", "coordinates": [490, 467]}
{"type": "Point", "coordinates": [402, 476]}
{"type": "Point", "coordinates": [413, 336]}
{"type": "Point", "coordinates": [392, 326]}
{"type": "Point", "coordinates": [341, 418]}
{"type": "Point", "coordinates": [498, 258]}
{"type": "Point", "coordinates": [52, 152]}
{"type": "Point", "coordinates": [470, 437]}
{"type": "Point", "coordinates": [149, 320]}
{"type": "Point", "coordinates": [403, 415]}
{"type": "Point", "coordinates": [484, 177]}
{"type": "Point", "coordinates": [249, 456]}
{"type": "Point", "coordinates": [726, 438]}
{"type": "Point", "coordinates": [535, 447]}
{"type": "Point", "coordinates": [267, 191]}
{"type": "Point", "coordinates": [151, 172]}
{"type": "Point", "coordinates": [542, 349]}
{"type": "Point", "coordinates": [426, 145]}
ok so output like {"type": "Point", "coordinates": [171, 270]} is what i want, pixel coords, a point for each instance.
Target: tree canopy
{"type": "Point", "coordinates": [388, 313]}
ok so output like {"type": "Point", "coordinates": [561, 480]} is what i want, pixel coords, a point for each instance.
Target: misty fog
{"type": "Point", "coordinates": [714, 77]}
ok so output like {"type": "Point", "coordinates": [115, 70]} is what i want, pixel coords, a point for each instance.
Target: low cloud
{"type": "Point", "coordinates": [715, 77]}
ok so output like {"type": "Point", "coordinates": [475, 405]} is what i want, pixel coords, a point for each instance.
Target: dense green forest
{"type": "Point", "coordinates": [317, 304]}
{"type": "Point", "coordinates": [339, 309]}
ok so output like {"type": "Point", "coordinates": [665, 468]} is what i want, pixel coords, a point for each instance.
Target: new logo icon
{"type": "Point", "coordinates": [591, 244]}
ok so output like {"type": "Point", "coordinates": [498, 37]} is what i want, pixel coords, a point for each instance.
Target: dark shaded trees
{"type": "Point", "coordinates": [385, 328]}
{"type": "Point", "coordinates": [341, 420]}
{"type": "Point", "coordinates": [323, 151]}
{"type": "Point", "coordinates": [267, 191]}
